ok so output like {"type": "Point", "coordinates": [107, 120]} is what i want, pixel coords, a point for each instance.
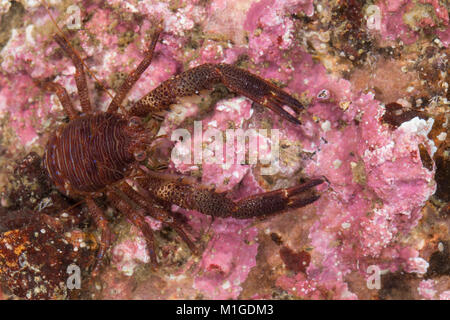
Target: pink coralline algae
{"type": "Point", "coordinates": [14, 93]}
{"type": "Point", "coordinates": [428, 291]}
{"type": "Point", "coordinates": [227, 260]}
{"type": "Point", "coordinates": [367, 222]}
{"type": "Point", "coordinates": [404, 19]}
{"type": "Point", "coordinates": [127, 254]}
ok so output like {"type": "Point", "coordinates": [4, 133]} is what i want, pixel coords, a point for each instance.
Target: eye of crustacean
{"type": "Point", "coordinates": [135, 122]}
{"type": "Point", "coordinates": [140, 155]}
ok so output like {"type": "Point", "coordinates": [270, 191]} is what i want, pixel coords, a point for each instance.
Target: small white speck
{"type": "Point", "coordinates": [42, 230]}
{"type": "Point", "coordinates": [213, 123]}
{"type": "Point", "coordinates": [226, 285]}
{"type": "Point", "coordinates": [405, 103]}
{"type": "Point", "coordinates": [337, 163]}
{"type": "Point", "coordinates": [442, 136]}
{"type": "Point", "coordinates": [326, 125]}
{"type": "Point", "coordinates": [29, 34]}
{"type": "Point", "coordinates": [345, 225]}
{"type": "Point", "coordinates": [438, 42]}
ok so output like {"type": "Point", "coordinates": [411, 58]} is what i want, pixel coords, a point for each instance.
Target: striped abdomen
{"type": "Point", "coordinates": [89, 153]}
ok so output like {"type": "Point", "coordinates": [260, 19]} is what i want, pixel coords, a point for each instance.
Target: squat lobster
{"type": "Point", "coordinates": [98, 153]}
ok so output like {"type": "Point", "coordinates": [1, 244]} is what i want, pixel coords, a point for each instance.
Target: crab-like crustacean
{"type": "Point", "coordinates": [99, 153]}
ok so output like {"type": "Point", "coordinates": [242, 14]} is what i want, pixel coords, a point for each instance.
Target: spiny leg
{"type": "Point", "coordinates": [204, 76]}
{"type": "Point", "coordinates": [80, 77]}
{"type": "Point", "coordinates": [101, 223]}
{"type": "Point", "coordinates": [62, 94]}
{"type": "Point", "coordinates": [184, 84]}
{"type": "Point", "coordinates": [144, 200]}
{"type": "Point", "coordinates": [219, 205]}
{"type": "Point", "coordinates": [134, 76]}
{"type": "Point", "coordinates": [137, 218]}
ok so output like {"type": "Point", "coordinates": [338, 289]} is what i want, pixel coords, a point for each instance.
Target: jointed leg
{"type": "Point", "coordinates": [101, 222]}
{"type": "Point", "coordinates": [145, 201]}
{"type": "Point", "coordinates": [137, 218]}
{"type": "Point", "coordinates": [184, 84]}
{"type": "Point", "coordinates": [219, 205]}
{"type": "Point", "coordinates": [80, 77]}
{"type": "Point", "coordinates": [134, 76]}
{"type": "Point", "coordinates": [63, 97]}
{"type": "Point", "coordinates": [202, 77]}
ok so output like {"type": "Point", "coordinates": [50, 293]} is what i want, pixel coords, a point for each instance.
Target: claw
{"type": "Point", "coordinates": [279, 109]}
{"type": "Point", "coordinates": [303, 187]}
{"type": "Point", "coordinates": [281, 99]}
{"type": "Point", "coordinates": [260, 91]}
{"type": "Point", "coordinates": [264, 204]}
{"type": "Point", "coordinates": [286, 99]}
{"type": "Point", "coordinates": [204, 76]}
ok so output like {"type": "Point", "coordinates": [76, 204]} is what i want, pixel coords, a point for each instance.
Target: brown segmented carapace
{"type": "Point", "coordinates": [91, 152]}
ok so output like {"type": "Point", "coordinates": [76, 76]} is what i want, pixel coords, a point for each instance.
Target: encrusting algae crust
{"type": "Point", "coordinates": [374, 78]}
